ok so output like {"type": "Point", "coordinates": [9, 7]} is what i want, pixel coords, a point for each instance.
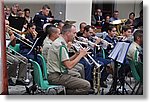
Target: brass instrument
{"type": "Point", "coordinates": [9, 54]}
{"type": "Point", "coordinates": [118, 24]}
{"type": "Point", "coordinates": [20, 36]}
{"type": "Point", "coordinates": [96, 71]}
{"type": "Point", "coordinates": [103, 43]}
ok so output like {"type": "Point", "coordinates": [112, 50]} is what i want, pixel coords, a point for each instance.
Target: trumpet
{"type": "Point", "coordinates": [103, 43]}
{"type": "Point", "coordinates": [86, 42]}
{"type": "Point", "coordinates": [80, 46]}
{"type": "Point", "coordinates": [96, 70]}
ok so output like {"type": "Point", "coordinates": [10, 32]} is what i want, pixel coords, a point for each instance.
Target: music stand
{"type": "Point", "coordinates": [118, 55]}
{"type": "Point", "coordinates": [34, 48]}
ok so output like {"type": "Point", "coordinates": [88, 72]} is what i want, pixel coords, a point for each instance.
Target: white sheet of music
{"type": "Point", "coordinates": [119, 52]}
{"type": "Point", "coordinates": [122, 53]}
{"type": "Point", "coordinates": [115, 51]}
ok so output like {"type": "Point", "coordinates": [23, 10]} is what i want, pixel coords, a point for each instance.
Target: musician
{"type": "Point", "coordinates": [58, 63]}
{"type": "Point", "coordinates": [110, 38]}
{"type": "Point", "coordinates": [40, 19]}
{"type": "Point", "coordinates": [12, 68]}
{"type": "Point", "coordinates": [90, 36]}
{"type": "Point", "coordinates": [30, 35]}
{"type": "Point", "coordinates": [127, 34]}
{"type": "Point", "coordinates": [136, 45]}
{"type": "Point", "coordinates": [52, 34]}
{"type": "Point", "coordinates": [125, 68]}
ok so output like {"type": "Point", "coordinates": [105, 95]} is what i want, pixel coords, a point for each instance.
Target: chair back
{"type": "Point", "coordinates": [38, 78]}
{"type": "Point", "coordinates": [16, 47]}
{"type": "Point", "coordinates": [136, 68]}
{"type": "Point", "coordinates": [43, 84]}
{"type": "Point", "coordinates": [44, 66]}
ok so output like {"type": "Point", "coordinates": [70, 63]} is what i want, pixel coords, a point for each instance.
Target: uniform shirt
{"type": "Point", "coordinates": [53, 58]}
{"type": "Point", "coordinates": [39, 20]}
{"type": "Point", "coordinates": [131, 52]}
{"type": "Point", "coordinates": [46, 45]}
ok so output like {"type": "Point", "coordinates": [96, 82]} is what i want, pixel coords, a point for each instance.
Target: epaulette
{"type": "Point", "coordinates": [37, 13]}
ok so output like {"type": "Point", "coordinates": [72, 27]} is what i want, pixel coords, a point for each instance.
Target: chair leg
{"type": "Point", "coordinates": [134, 88]}
{"type": "Point", "coordinates": [139, 90]}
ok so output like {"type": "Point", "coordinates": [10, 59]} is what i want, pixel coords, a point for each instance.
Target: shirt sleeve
{"type": "Point", "coordinates": [65, 55]}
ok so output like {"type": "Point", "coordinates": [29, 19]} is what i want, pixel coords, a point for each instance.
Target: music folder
{"type": "Point", "coordinates": [119, 52]}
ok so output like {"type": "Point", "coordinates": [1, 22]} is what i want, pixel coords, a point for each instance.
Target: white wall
{"type": "Point", "coordinates": [79, 11]}
{"type": "Point", "coordinates": [125, 8]}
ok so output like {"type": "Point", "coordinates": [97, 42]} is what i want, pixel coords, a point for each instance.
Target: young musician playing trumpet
{"type": "Point", "coordinates": [89, 36]}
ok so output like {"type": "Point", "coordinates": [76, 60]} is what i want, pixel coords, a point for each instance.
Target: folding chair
{"type": "Point", "coordinates": [42, 84]}
{"type": "Point", "coordinates": [44, 69]}
{"type": "Point", "coordinates": [137, 72]}
{"type": "Point", "coordinates": [16, 47]}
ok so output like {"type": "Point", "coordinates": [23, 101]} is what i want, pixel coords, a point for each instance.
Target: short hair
{"type": "Point", "coordinates": [59, 23]}
{"type": "Point", "coordinates": [132, 13]}
{"type": "Point", "coordinates": [30, 25]}
{"type": "Point", "coordinates": [86, 28]}
{"type": "Point", "coordinates": [138, 33]}
{"type": "Point", "coordinates": [106, 16]}
{"type": "Point", "coordinates": [110, 28]}
{"type": "Point", "coordinates": [45, 7]}
{"type": "Point", "coordinates": [116, 11]}
{"type": "Point", "coordinates": [81, 24]}
{"type": "Point", "coordinates": [125, 28]}
{"type": "Point", "coordinates": [66, 28]}
{"type": "Point", "coordinates": [26, 9]}
{"type": "Point", "coordinates": [50, 29]}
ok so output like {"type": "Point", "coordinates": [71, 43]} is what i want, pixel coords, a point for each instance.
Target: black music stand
{"type": "Point", "coordinates": [118, 55]}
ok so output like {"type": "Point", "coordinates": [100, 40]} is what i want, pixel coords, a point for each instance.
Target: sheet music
{"type": "Point", "coordinates": [122, 53]}
{"type": "Point", "coordinates": [115, 51]}
{"type": "Point", "coordinates": [119, 52]}
{"type": "Point", "coordinates": [33, 46]}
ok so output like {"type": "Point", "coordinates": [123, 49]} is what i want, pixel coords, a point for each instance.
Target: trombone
{"type": "Point", "coordinates": [20, 36]}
